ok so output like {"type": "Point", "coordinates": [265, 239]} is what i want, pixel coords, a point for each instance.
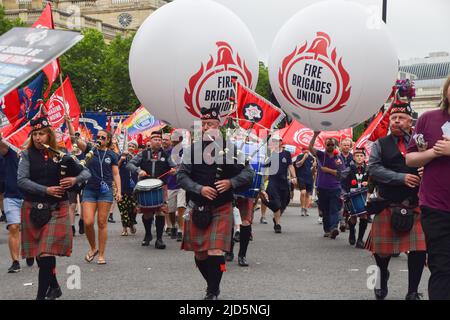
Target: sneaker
{"type": "Point", "coordinates": [173, 233]}
{"type": "Point", "coordinates": [242, 261]}
{"type": "Point", "coordinates": [30, 262]}
{"type": "Point", "coordinates": [111, 218]}
{"type": "Point", "coordinates": [302, 212]}
{"type": "Point", "coordinates": [229, 256]}
{"type": "Point", "coordinates": [2, 218]}
{"type": "Point", "coordinates": [54, 293]}
{"type": "Point", "coordinates": [81, 226]}
{"type": "Point", "coordinates": [306, 213]}
{"type": "Point", "coordinates": [277, 228]}
{"type": "Point", "coordinates": [168, 231]}
{"type": "Point", "coordinates": [360, 244]}
{"type": "Point", "coordinates": [334, 233]}
{"type": "Point", "coordinates": [320, 220]}
{"type": "Point", "coordinates": [237, 236]}
{"type": "Point", "coordinates": [210, 296]}
{"type": "Point", "coordinates": [73, 231]}
{"type": "Point", "coordinates": [159, 244]}
{"type": "Point", "coordinates": [263, 220]}
{"type": "Point", "coordinates": [15, 267]}
{"type": "Point", "coordinates": [147, 239]}
{"type": "Point", "coordinates": [179, 237]}
{"type": "Point", "coordinates": [414, 296]}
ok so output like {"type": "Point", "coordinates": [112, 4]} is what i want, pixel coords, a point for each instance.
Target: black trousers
{"type": "Point", "coordinates": [436, 226]}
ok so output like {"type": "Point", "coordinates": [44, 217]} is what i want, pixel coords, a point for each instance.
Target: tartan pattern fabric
{"type": "Point", "coordinates": [55, 238]}
{"type": "Point", "coordinates": [245, 206]}
{"type": "Point", "coordinates": [127, 208]}
{"type": "Point", "coordinates": [383, 239]}
{"type": "Point", "coordinates": [216, 236]}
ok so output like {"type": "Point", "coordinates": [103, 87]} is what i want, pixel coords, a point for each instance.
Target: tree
{"type": "Point", "coordinates": [117, 92]}
{"type": "Point", "coordinates": [6, 24]}
{"type": "Point", "coordinates": [263, 86]}
{"type": "Point", "coordinates": [85, 64]}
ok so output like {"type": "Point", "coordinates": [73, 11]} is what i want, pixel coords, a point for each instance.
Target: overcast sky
{"type": "Point", "coordinates": [418, 26]}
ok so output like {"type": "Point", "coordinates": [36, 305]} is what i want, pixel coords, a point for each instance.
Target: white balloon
{"type": "Point", "coordinates": [332, 65]}
{"type": "Point", "coordinates": [183, 56]}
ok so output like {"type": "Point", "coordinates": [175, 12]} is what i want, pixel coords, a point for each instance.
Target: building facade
{"type": "Point", "coordinates": [429, 75]}
{"type": "Point", "coordinates": [111, 17]}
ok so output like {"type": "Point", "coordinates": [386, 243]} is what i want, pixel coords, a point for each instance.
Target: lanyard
{"type": "Point", "coordinates": [101, 162]}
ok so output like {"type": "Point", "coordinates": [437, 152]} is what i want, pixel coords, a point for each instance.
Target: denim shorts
{"type": "Point", "coordinates": [12, 208]}
{"type": "Point", "coordinates": [90, 195]}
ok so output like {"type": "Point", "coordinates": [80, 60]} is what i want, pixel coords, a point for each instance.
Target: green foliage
{"type": "Point", "coordinates": [358, 131]}
{"type": "Point", "coordinates": [6, 24]}
{"type": "Point", "coordinates": [263, 86]}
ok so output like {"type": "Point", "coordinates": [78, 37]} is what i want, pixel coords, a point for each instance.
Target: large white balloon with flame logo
{"type": "Point", "coordinates": [332, 65]}
{"type": "Point", "coordinates": [183, 56]}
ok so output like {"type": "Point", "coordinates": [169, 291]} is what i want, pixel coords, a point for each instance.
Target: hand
{"type": "Point", "coordinates": [209, 193]}
{"type": "Point", "coordinates": [412, 180]}
{"type": "Point", "coordinates": [364, 184]}
{"type": "Point", "coordinates": [294, 181]}
{"type": "Point", "coordinates": [55, 191]}
{"type": "Point", "coordinates": [123, 157]}
{"type": "Point", "coordinates": [442, 147]}
{"type": "Point", "coordinates": [118, 196]}
{"type": "Point", "coordinates": [223, 185]}
{"type": "Point", "coordinates": [173, 171]}
{"type": "Point", "coordinates": [142, 174]}
{"type": "Point", "coordinates": [265, 196]}
{"type": "Point", "coordinates": [67, 183]}
{"type": "Point", "coordinates": [420, 172]}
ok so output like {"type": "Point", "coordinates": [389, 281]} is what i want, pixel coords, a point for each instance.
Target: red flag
{"type": "Point", "coordinates": [252, 108]}
{"type": "Point", "coordinates": [17, 134]}
{"type": "Point", "coordinates": [382, 127]}
{"type": "Point", "coordinates": [11, 105]}
{"type": "Point", "coordinates": [365, 140]}
{"type": "Point", "coordinates": [55, 105]}
{"type": "Point", "coordinates": [53, 69]}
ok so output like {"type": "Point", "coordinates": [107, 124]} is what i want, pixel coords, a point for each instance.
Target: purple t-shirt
{"type": "Point", "coordinates": [327, 180]}
{"type": "Point", "coordinates": [435, 186]}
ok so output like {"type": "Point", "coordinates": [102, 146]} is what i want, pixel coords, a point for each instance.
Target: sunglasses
{"type": "Point", "coordinates": [330, 145]}
{"type": "Point", "coordinates": [101, 137]}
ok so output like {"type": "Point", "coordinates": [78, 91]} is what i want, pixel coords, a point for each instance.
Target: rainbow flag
{"type": "Point", "coordinates": [141, 121]}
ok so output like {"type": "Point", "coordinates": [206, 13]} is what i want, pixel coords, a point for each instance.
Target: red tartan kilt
{"type": "Point", "coordinates": [383, 239]}
{"type": "Point", "coordinates": [216, 236]}
{"type": "Point", "coordinates": [245, 206]}
{"type": "Point", "coordinates": [55, 238]}
{"type": "Point", "coordinates": [151, 211]}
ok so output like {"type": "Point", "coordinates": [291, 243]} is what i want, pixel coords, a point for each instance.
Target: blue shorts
{"type": "Point", "coordinates": [12, 208]}
{"type": "Point", "coordinates": [90, 195]}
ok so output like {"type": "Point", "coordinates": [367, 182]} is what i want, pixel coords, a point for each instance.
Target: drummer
{"type": "Point", "coordinates": [358, 178]}
{"type": "Point", "coordinates": [155, 163]}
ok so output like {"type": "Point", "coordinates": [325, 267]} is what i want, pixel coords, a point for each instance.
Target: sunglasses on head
{"type": "Point", "coordinates": [101, 137]}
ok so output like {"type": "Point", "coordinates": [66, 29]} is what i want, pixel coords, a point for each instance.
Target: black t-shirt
{"type": "Point", "coordinates": [11, 164]}
{"type": "Point", "coordinates": [278, 175]}
{"type": "Point", "coordinates": [107, 159]}
{"type": "Point", "coordinates": [304, 172]}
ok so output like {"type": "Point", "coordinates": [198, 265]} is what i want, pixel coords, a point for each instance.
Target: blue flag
{"type": "Point", "coordinates": [30, 98]}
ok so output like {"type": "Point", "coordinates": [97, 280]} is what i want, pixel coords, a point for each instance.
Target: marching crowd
{"type": "Point", "coordinates": [402, 189]}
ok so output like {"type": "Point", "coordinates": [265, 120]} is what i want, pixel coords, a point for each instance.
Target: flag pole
{"type": "Point", "coordinates": [64, 95]}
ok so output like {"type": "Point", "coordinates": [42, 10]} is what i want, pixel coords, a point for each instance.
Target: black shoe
{"type": "Point", "coordinates": [251, 237]}
{"type": "Point", "coordinates": [380, 294]}
{"type": "Point", "coordinates": [81, 226]}
{"type": "Point", "coordinates": [159, 244]}
{"type": "Point", "coordinates": [15, 267]}
{"type": "Point", "coordinates": [242, 262]}
{"type": "Point", "coordinates": [73, 231]}
{"type": "Point", "coordinates": [173, 234]}
{"type": "Point", "coordinates": [414, 296]}
{"type": "Point", "coordinates": [54, 293]}
{"type": "Point", "coordinates": [146, 241]}
{"type": "Point", "coordinates": [168, 231]}
{"type": "Point", "coordinates": [211, 296]}
{"type": "Point", "coordinates": [229, 256]}
{"type": "Point", "coordinates": [2, 218]}
{"type": "Point", "coordinates": [111, 219]}
{"type": "Point", "coordinates": [30, 262]}
{"type": "Point", "coordinates": [277, 228]}
{"type": "Point", "coordinates": [334, 233]}
{"type": "Point", "coordinates": [360, 244]}
{"type": "Point", "coordinates": [342, 227]}
{"type": "Point", "coordinates": [237, 236]}
{"type": "Point", "coordinates": [351, 238]}
{"type": "Point", "coordinates": [179, 237]}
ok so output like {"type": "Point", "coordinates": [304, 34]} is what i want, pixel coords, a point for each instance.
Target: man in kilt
{"type": "Point", "coordinates": [45, 196]}
{"type": "Point", "coordinates": [209, 181]}
{"type": "Point", "coordinates": [398, 185]}
{"type": "Point", "coordinates": [154, 163]}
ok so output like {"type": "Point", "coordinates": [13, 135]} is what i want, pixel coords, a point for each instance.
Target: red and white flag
{"type": "Point", "coordinates": [378, 128]}
{"type": "Point", "coordinates": [63, 100]}
{"type": "Point", "coordinates": [253, 111]}
{"type": "Point", "coordinates": [53, 69]}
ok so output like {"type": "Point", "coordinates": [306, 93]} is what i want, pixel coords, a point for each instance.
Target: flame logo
{"type": "Point", "coordinates": [318, 51]}
{"type": "Point", "coordinates": [225, 61]}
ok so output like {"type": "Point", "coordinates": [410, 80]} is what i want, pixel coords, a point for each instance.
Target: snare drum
{"type": "Point", "coordinates": [149, 193]}
{"type": "Point", "coordinates": [258, 179]}
{"type": "Point", "coordinates": [355, 201]}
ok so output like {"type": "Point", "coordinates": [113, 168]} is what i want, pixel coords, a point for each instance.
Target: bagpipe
{"type": "Point", "coordinates": [70, 166]}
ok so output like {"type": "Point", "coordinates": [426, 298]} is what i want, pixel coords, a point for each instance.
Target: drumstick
{"type": "Point", "coordinates": [164, 174]}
